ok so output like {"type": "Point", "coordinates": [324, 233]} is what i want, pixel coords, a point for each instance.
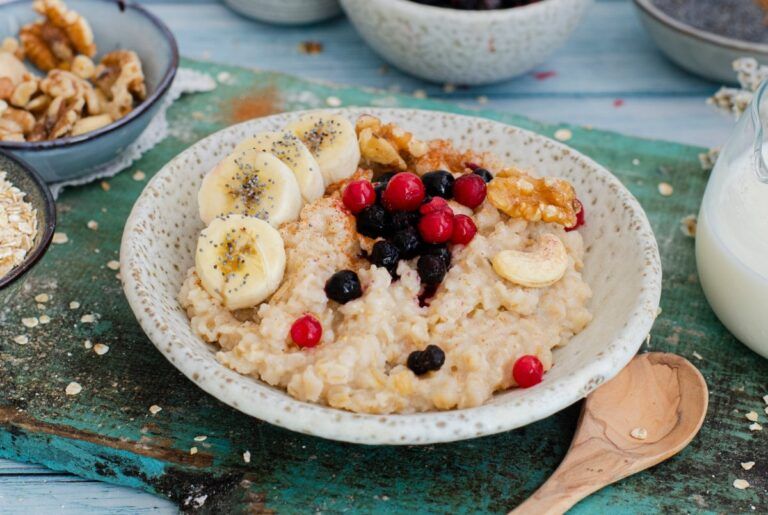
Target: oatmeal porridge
{"type": "Point", "coordinates": [415, 277]}
{"type": "Point", "coordinates": [18, 226]}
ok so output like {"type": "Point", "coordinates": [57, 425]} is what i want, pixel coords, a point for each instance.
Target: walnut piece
{"type": "Point", "coordinates": [534, 199]}
{"type": "Point", "coordinates": [76, 28]}
{"type": "Point", "coordinates": [387, 145]}
{"type": "Point", "coordinates": [11, 45]}
{"type": "Point", "coordinates": [120, 78]}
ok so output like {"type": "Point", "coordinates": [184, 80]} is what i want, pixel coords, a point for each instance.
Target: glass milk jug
{"type": "Point", "coordinates": [732, 233]}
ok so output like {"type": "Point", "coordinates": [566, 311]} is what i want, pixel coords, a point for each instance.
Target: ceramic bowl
{"type": "Point", "coordinates": [464, 47]}
{"type": "Point", "coordinates": [286, 12]}
{"type": "Point", "coordinates": [115, 25]}
{"type": "Point", "coordinates": [21, 175]}
{"type": "Point", "coordinates": [700, 52]}
{"type": "Point", "coordinates": [621, 265]}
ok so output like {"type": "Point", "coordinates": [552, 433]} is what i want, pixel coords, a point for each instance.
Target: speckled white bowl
{"type": "Point", "coordinates": [621, 264]}
{"type": "Point", "coordinates": [464, 47]}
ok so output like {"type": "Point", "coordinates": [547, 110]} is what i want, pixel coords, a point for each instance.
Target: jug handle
{"type": "Point", "coordinates": [761, 167]}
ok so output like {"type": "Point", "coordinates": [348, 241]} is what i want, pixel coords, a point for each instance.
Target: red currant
{"type": "Point", "coordinates": [306, 331]}
{"type": "Point", "coordinates": [405, 192]}
{"type": "Point", "coordinates": [469, 190]}
{"type": "Point", "coordinates": [436, 204]}
{"type": "Point", "coordinates": [437, 226]}
{"type": "Point", "coordinates": [527, 371]}
{"type": "Point", "coordinates": [464, 229]}
{"type": "Point", "coordinates": [358, 195]}
{"type": "Point", "coordinates": [579, 216]}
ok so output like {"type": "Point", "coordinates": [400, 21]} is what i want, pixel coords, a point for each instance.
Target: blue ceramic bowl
{"type": "Point", "coordinates": [21, 175]}
{"type": "Point", "coordinates": [116, 25]}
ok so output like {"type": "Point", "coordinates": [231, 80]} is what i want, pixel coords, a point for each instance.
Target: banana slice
{"type": "Point", "coordinates": [240, 260]}
{"type": "Point", "coordinates": [332, 140]}
{"type": "Point", "coordinates": [252, 183]}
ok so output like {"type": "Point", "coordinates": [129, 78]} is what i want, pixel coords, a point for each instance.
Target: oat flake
{"type": "Point", "coordinates": [688, 225]}
{"type": "Point", "coordinates": [665, 189]}
{"type": "Point", "coordinates": [765, 399]}
{"type": "Point", "coordinates": [138, 175]}
{"type": "Point", "coordinates": [74, 304]}
{"type": "Point", "coordinates": [751, 416]}
{"type": "Point", "coordinates": [92, 225]}
{"type": "Point", "coordinates": [193, 450]}
{"type": "Point", "coordinates": [697, 355]}
{"type": "Point", "coordinates": [247, 456]}
{"type": "Point", "coordinates": [59, 238]}
{"type": "Point", "coordinates": [21, 339]}
{"type": "Point", "coordinates": [563, 134]}
{"type": "Point", "coordinates": [741, 484]}
{"type": "Point", "coordinates": [30, 322]}
{"type": "Point", "coordinates": [100, 349]}
{"type": "Point", "coordinates": [747, 465]}
{"type": "Point", "coordinates": [113, 265]}
{"type": "Point", "coordinates": [155, 409]}
{"type": "Point", "coordinates": [73, 388]}
{"type": "Point", "coordinates": [639, 433]}
{"type": "Point", "coordinates": [333, 101]}
{"type": "Point", "coordinates": [87, 344]}
{"type": "Point", "coordinates": [42, 298]}
{"type": "Point", "coordinates": [755, 427]}
{"type": "Point", "coordinates": [201, 438]}
{"type": "Point", "coordinates": [45, 319]}
{"type": "Point", "coordinates": [88, 319]}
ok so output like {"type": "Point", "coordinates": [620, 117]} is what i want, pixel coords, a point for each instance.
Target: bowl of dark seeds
{"type": "Point", "coordinates": [706, 36]}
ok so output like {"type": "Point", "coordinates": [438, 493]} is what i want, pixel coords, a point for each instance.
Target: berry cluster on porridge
{"type": "Point", "coordinates": [361, 268]}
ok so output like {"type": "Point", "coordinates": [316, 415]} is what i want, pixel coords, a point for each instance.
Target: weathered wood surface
{"type": "Point", "coordinates": [106, 432]}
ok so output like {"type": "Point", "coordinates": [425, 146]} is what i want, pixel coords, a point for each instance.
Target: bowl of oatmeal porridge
{"type": "Point", "coordinates": [27, 218]}
{"type": "Point", "coordinates": [391, 276]}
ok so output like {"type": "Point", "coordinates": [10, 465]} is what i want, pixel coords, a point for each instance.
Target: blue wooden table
{"type": "Point", "coordinates": [609, 76]}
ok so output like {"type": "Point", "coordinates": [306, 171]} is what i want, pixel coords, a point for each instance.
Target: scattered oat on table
{"type": "Point", "coordinates": [247, 456]}
{"type": "Point", "coordinates": [193, 450]}
{"type": "Point", "coordinates": [74, 304]}
{"type": "Point", "coordinates": [155, 409]}
{"type": "Point", "coordinates": [333, 101]}
{"type": "Point", "coordinates": [688, 225]}
{"type": "Point", "coordinates": [100, 349]}
{"type": "Point", "coordinates": [419, 93]}
{"type": "Point", "coordinates": [697, 355]}
{"type": "Point", "coordinates": [563, 134]}
{"type": "Point", "coordinates": [201, 438]}
{"type": "Point", "coordinates": [765, 399]}
{"type": "Point", "coordinates": [88, 319]}
{"type": "Point", "coordinates": [59, 238]}
{"type": "Point", "coordinates": [639, 433]}
{"type": "Point", "coordinates": [138, 175]}
{"type": "Point", "coordinates": [18, 226]}
{"type": "Point", "coordinates": [42, 298]}
{"type": "Point", "coordinates": [30, 322]}
{"type": "Point", "coordinates": [665, 189]}
{"type": "Point", "coordinates": [113, 265]}
{"type": "Point", "coordinates": [755, 427]}
{"type": "Point", "coordinates": [21, 339]}
{"type": "Point", "coordinates": [73, 388]}
{"type": "Point", "coordinates": [45, 319]}
{"type": "Point", "coordinates": [751, 416]}
{"type": "Point", "coordinates": [482, 100]}
{"type": "Point", "coordinates": [636, 162]}
{"type": "Point", "coordinates": [105, 186]}
{"type": "Point", "coordinates": [448, 88]}
{"type": "Point", "coordinates": [741, 484]}
{"type": "Point", "coordinates": [87, 344]}
{"type": "Point", "coordinates": [747, 465]}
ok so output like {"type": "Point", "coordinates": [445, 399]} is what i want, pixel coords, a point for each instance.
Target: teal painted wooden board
{"type": "Point", "coordinates": [106, 432]}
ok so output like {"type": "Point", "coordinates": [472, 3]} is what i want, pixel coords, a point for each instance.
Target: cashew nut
{"type": "Point", "coordinates": [90, 123]}
{"type": "Point", "coordinates": [541, 267]}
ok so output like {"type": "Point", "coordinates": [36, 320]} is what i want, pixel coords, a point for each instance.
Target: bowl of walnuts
{"type": "Point", "coordinates": [80, 81]}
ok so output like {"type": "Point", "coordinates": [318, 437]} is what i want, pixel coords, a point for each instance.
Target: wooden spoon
{"type": "Point", "coordinates": [641, 417]}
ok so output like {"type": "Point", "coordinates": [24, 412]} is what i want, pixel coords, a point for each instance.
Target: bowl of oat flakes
{"type": "Point", "coordinates": [390, 276]}
{"type": "Point", "coordinates": [27, 218]}
{"type": "Point", "coordinates": [79, 81]}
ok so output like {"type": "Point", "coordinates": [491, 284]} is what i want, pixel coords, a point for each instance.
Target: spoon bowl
{"type": "Point", "coordinates": [646, 414]}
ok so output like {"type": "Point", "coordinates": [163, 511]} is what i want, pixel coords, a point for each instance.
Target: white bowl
{"type": "Point", "coordinates": [286, 12]}
{"type": "Point", "coordinates": [698, 51]}
{"type": "Point", "coordinates": [621, 265]}
{"type": "Point", "coordinates": [464, 47]}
